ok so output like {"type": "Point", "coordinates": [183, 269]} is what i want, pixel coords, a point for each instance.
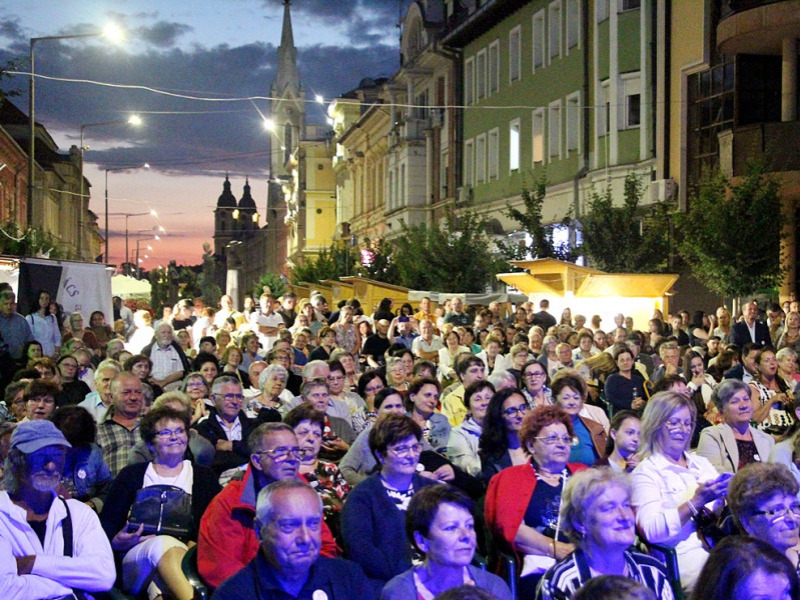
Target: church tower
{"type": "Point", "coordinates": [224, 223]}
{"type": "Point", "coordinates": [287, 110]}
{"type": "Point", "coordinates": [248, 213]}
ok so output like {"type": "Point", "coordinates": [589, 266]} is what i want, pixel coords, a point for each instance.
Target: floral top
{"type": "Point", "coordinates": [346, 338]}
{"type": "Point", "coordinates": [328, 481]}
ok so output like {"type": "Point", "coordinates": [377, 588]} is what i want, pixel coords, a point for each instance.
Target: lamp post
{"type": "Point", "coordinates": [128, 168]}
{"type": "Point", "coordinates": [152, 213]}
{"type": "Point", "coordinates": [108, 32]}
{"type": "Point", "coordinates": [132, 120]}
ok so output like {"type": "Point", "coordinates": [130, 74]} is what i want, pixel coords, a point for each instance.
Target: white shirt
{"type": "Point", "coordinates": [234, 434]}
{"type": "Point", "coordinates": [46, 331]}
{"type": "Point", "coordinates": [91, 567]}
{"type": "Point", "coordinates": [94, 404]}
{"type": "Point", "coordinates": [659, 488]}
{"type": "Point", "coordinates": [182, 480]}
{"type": "Point", "coordinates": [259, 319]}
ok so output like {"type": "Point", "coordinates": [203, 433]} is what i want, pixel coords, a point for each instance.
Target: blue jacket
{"type": "Point", "coordinates": [87, 475]}
{"type": "Point", "coordinates": [440, 432]}
{"type": "Point", "coordinates": [374, 530]}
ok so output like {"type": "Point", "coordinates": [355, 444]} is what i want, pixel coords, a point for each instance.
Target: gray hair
{"type": "Point", "coordinates": [271, 370]}
{"type": "Point", "coordinates": [256, 438]}
{"type": "Point", "coordinates": [107, 364]}
{"type": "Point", "coordinates": [265, 501]}
{"type": "Point", "coordinates": [222, 380]}
{"type": "Point", "coordinates": [784, 352]}
{"type": "Point", "coordinates": [724, 392]}
{"type": "Point", "coordinates": [581, 490]}
{"type": "Point", "coordinates": [503, 379]}
{"type": "Point", "coordinates": [656, 413]}
{"type": "Point", "coordinates": [310, 369]}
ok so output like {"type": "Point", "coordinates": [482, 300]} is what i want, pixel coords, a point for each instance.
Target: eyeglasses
{"type": "Point", "coordinates": [231, 397]}
{"type": "Point", "coordinates": [532, 374]}
{"type": "Point", "coordinates": [675, 424]}
{"type": "Point", "coordinates": [406, 450]}
{"type": "Point", "coordinates": [783, 512]}
{"type": "Point", "coordinates": [282, 453]}
{"type": "Point", "coordinates": [552, 440]}
{"type": "Point", "coordinates": [521, 409]}
{"type": "Point", "coordinates": [197, 384]}
{"type": "Point", "coordinates": [165, 434]}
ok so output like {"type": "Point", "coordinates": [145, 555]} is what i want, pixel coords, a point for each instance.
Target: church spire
{"type": "Point", "coordinates": [287, 77]}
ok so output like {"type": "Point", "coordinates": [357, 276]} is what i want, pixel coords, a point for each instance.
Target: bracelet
{"type": "Point", "coordinates": [692, 508]}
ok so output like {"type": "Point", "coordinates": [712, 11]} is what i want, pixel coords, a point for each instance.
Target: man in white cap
{"type": "Point", "coordinates": [49, 547]}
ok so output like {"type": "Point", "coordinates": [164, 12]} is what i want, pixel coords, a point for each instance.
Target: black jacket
{"type": "Point", "coordinates": [211, 429]}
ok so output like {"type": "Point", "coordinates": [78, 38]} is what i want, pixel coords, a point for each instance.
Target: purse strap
{"type": "Point", "coordinates": [66, 529]}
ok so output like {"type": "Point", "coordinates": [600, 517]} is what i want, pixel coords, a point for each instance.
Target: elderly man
{"type": "Point", "coordinates": [227, 540]}
{"type": "Point", "coordinates": [48, 546]}
{"type": "Point", "coordinates": [289, 525]}
{"type": "Point", "coordinates": [97, 402]}
{"type": "Point", "coordinates": [670, 356]}
{"type": "Point", "coordinates": [169, 362]}
{"type": "Point", "coordinates": [318, 371]}
{"type": "Point", "coordinates": [750, 330]}
{"type": "Point", "coordinates": [427, 345]}
{"type": "Point", "coordinates": [227, 426]}
{"type": "Point", "coordinates": [14, 329]}
{"type": "Point", "coordinates": [253, 373]}
{"type": "Point", "coordinates": [118, 433]}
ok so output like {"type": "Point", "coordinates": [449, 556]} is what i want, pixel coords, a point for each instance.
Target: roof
{"type": "Point", "coordinates": [226, 199]}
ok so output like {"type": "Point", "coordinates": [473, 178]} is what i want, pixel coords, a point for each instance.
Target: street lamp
{"type": "Point", "coordinates": [128, 168]}
{"type": "Point", "coordinates": [151, 213]}
{"type": "Point", "coordinates": [111, 32]}
{"type": "Point", "coordinates": [132, 120]}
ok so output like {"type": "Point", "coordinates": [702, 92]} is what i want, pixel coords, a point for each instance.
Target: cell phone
{"type": "Point", "coordinates": [724, 477]}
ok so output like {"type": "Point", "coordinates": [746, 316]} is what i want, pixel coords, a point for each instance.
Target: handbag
{"type": "Point", "coordinates": [163, 509]}
{"type": "Point", "coordinates": [711, 529]}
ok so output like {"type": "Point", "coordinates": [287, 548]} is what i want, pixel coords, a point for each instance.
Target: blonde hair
{"type": "Point", "coordinates": [656, 413]}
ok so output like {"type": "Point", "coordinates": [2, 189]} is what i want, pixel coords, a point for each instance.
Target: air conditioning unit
{"type": "Point", "coordinates": [663, 190]}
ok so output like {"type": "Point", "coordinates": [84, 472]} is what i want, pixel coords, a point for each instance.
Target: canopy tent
{"type": "Point", "coordinates": [588, 291]}
{"type": "Point", "coordinates": [129, 288]}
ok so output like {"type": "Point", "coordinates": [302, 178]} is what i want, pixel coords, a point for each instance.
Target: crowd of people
{"type": "Point", "coordinates": [288, 449]}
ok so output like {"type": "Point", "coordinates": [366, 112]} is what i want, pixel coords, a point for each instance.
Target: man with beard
{"type": "Point", "coordinates": [49, 546]}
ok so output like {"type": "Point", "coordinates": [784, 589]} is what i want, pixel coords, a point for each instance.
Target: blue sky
{"type": "Point", "coordinates": [203, 48]}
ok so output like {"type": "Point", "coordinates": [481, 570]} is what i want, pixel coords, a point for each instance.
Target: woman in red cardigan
{"type": "Point", "coordinates": [523, 502]}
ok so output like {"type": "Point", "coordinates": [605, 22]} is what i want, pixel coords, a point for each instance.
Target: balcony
{"type": "Point", "coordinates": [757, 26]}
{"type": "Point", "coordinates": [774, 143]}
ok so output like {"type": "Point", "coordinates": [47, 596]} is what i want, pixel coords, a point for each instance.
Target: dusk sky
{"type": "Point", "coordinates": [218, 53]}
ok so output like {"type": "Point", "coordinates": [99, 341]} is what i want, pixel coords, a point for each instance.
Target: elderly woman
{"type": "Point", "coordinates": [156, 559]}
{"type": "Point", "coordinates": [596, 515]}
{"type": "Point", "coordinates": [40, 399]}
{"type": "Point", "coordinates": [670, 485]}
{"type": "Point", "coordinates": [325, 477]}
{"type": "Point", "coordinates": [743, 567]}
{"type": "Point", "coordinates": [359, 463]}
{"type": "Point", "coordinates": [462, 447]}
{"type": "Point", "coordinates": [396, 374]}
{"type": "Point", "coordinates": [337, 378]}
{"type": "Point", "coordinates": [195, 387]}
{"type": "Point", "coordinates": [787, 367]}
{"type": "Point", "coordinates": [522, 502]}
{"type": "Point", "coordinates": [790, 337]}
{"type": "Point", "coordinates": [499, 444]}
{"type": "Point", "coordinates": [441, 527]}
{"type": "Point", "coordinates": [373, 519]}
{"type": "Point", "coordinates": [273, 396]}
{"type": "Point", "coordinates": [347, 335]}
{"type": "Point", "coordinates": [764, 503]}
{"type": "Point", "coordinates": [771, 398]}
{"type": "Point", "coordinates": [569, 392]}
{"type": "Point", "coordinates": [142, 366]}
{"type": "Point", "coordinates": [734, 443]}
{"type": "Point", "coordinates": [624, 389]}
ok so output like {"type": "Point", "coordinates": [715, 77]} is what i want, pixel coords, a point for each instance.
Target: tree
{"type": "Point", "coordinates": [377, 261]}
{"type": "Point", "coordinates": [275, 283]}
{"type": "Point", "coordinates": [5, 70]}
{"type": "Point", "coordinates": [336, 261]}
{"type": "Point", "coordinates": [626, 239]}
{"type": "Point", "coordinates": [530, 220]}
{"type": "Point", "coordinates": [731, 234]}
{"type": "Point", "coordinates": [209, 290]}
{"type": "Point", "coordinates": [454, 257]}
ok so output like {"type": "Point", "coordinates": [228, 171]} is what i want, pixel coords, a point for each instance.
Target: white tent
{"type": "Point", "coordinates": [128, 288]}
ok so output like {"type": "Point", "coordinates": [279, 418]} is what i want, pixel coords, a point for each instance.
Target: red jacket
{"type": "Point", "coordinates": [227, 541]}
{"type": "Point", "coordinates": [507, 500]}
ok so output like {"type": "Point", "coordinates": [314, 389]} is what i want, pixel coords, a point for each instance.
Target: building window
{"type": "Point", "coordinates": [631, 89]}
{"type": "Point", "coordinates": [390, 195]}
{"type": "Point", "coordinates": [469, 160]}
{"type": "Point", "coordinates": [573, 23]}
{"type": "Point", "coordinates": [494, 151]}
{"type": "Point", "coordinates": [513, 145]}
{"type": "Point", "coordinates": [554, 28]}
{"type": "Point", "coordinates": [603, 109]}
{"type": "Point", "coordinates": [469, 80]}
{"type": "Point", "coordinates": [629, 4]}
{"type": "Point", "coordinates": [538, 40]}
{"type": "Point", "coordinates": [401, 201]}
{"type": "Point", "coordinates": [480, 75]}
{"type": "Point", "coordinates": [602, 10]}
{"type": "Point", "coordinates": [538, 136]}
{"type": "Point", "coordinates": [573, 118]}
{"type": "Point", "coordinates": [480, 158]}
{"type": "Point", "coordinates": [554, 133]}
{"type": "Point", "coordinates": [494, 67]}
{"type": "Point", "coordinates": [514, 57]}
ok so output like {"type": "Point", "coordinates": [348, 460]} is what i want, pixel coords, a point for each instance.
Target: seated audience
{"type": "Point", "coordinates": [623, 442]}
{"type": "Point", "coordinates": [462, 446]}
{"type": "Point", "coordinates": [499, 445]}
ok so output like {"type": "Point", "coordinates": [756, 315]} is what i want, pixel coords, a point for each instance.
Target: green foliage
{"type": "Point", "coordinates": [530, 221]}
{"type": "Point", "coordinates": [273, 281]}
{"type": "Point", "coordinates": [11, 65]}
{"type": "Point", "coordinates": [731, 233]}
{"type": "Point", "coordinates": [626, 239]}
{"type": "Point", "coordinates": [338, 260]}
{"type": "Point", "coordinates": [32, 241]}
{"type": "Point", "coordinates": [382, 267]}
{"type": "Point", "coordinates": [454, 257]}
{"type": "Point", "coordinates": [209, 290]}
{"type": "Point", "coordinates": [159, 289]}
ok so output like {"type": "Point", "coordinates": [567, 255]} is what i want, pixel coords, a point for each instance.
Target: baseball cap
{"type": "Point", "coordinates": [31, 436]}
